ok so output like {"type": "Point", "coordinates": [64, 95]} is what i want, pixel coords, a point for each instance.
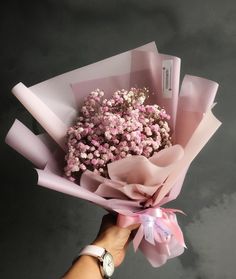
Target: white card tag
{"type": "Point", "coordinates": [149, 234]}
{"type": "Point", "coordinates": [167, 66]}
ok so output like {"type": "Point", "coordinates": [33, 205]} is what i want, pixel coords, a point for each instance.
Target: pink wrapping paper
{"type": "Point", "coordinates": [138, 187]}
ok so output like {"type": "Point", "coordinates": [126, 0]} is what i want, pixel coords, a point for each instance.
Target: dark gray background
{"type": "Point", "coordinates": [42, 230]}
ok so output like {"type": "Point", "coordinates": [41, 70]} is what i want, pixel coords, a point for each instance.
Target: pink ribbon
{"type": "Point", "coordinates": [157, 225]}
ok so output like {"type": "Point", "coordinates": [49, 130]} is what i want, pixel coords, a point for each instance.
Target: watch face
{"type": "Point", "coordinates": [108, 265]}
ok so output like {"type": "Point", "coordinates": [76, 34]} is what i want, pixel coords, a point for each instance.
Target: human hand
{"type": "Point", "coordinates": [114, 238]}
{"type": "Point", "coordinates": [111, 237]}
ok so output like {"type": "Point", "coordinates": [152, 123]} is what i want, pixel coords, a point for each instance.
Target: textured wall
{"type": "Point", "coordinates": [41, 230]}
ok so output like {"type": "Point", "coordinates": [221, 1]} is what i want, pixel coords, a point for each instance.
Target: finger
{"type": "Point", "coordinates": [131, 237]}
{"type": "Point", "coordinates": [127, 244]}
{"type": "Point", "coordinates": [133, 227]}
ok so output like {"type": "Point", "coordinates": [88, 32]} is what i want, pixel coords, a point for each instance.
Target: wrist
{"type": "Point", "coordinates": [104, 244]}
{"type": "Point", "coordinates": [105, 259]}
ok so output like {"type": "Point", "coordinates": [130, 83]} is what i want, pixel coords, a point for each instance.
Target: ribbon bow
{"type": "Point", "coordinates": [157, 225]}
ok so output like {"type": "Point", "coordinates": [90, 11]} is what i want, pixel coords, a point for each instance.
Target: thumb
{"type": "Point", "coordinates": [128, 222]}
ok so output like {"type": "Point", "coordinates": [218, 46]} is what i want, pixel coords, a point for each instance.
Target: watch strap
{"type": "Point", "coordinates": [93, 250]}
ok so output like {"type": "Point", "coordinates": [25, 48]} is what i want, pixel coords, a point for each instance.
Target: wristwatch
{"type": "Point", "coordinates": [105, 259]}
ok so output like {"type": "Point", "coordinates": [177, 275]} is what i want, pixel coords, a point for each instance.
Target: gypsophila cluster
{"type": "Point", "coordinates": [111, 129]}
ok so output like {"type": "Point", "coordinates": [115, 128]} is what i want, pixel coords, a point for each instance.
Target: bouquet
{"type": "Point", "coordinates": [120, 134]}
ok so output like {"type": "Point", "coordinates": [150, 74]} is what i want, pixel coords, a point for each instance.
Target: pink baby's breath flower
{"type": "Point", "coordinates": [83, 167]}
{"type": "Point", "coordinates": [90, 156]}
{"type": "Point", "coordinates": [83, 155]}
{"type": "Point", "coordinates": [94, 162]}
{"type": "Point", "coordinates": [96, 153]}
{"type": "Point", "coordinates": [112, 129]}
